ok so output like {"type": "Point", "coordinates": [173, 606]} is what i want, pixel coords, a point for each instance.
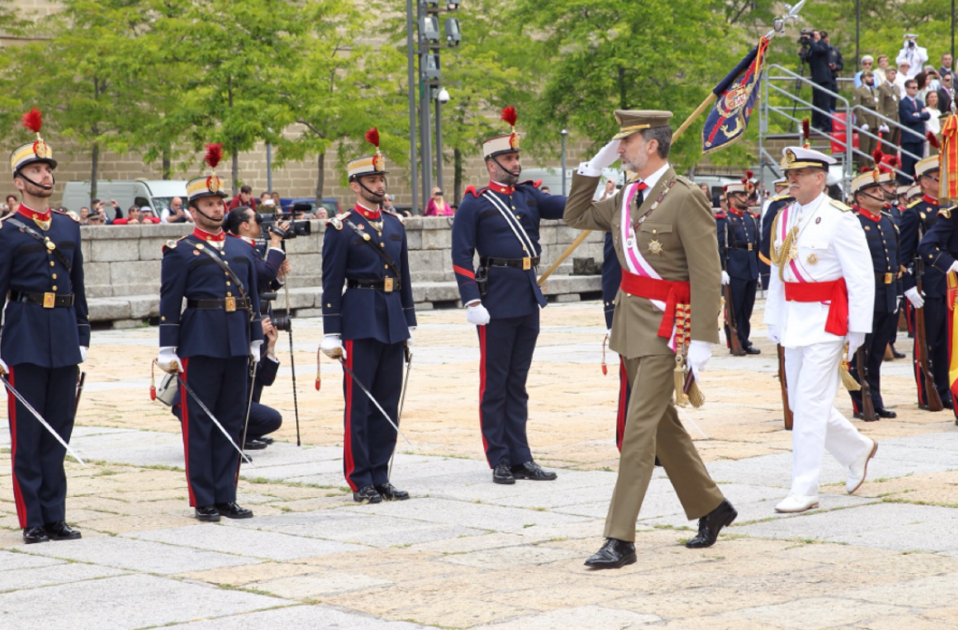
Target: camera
{"type": "Point", "coordinates": [805, 36]}
{"type": "Point", "coordinates": [284, 323]}
{"type": "Point", "coordinates": [296, 228]}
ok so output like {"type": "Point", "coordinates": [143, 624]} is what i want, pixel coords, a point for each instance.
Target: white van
{"type": "Point", "coordinates": [156, 194]}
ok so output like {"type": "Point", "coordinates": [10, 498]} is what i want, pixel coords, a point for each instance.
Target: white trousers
{"type": "Point", "coordinates": [813, 381]}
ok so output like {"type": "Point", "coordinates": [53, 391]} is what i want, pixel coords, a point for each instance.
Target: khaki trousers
{"type": "Point", "coordinates": [653, 428]}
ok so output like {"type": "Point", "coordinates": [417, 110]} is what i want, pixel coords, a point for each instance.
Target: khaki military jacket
{"type": "Point", "coordinates": [684, 226]}
{"type": "Point", "coordinates": [870, 100]}
{"type": "Point", "coordinates": [889, 100]}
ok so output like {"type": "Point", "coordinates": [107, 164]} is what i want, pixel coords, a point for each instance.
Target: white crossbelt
{"type": "Point", "coordinates": [513, 222]}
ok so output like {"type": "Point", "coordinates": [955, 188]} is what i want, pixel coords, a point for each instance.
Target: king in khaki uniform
{"type": "Point", "coordinates": [820, 298]}
{"type": "Point", "coordinates": [46, 333]}
{"type": "Point", "coordinates": [664, 236]}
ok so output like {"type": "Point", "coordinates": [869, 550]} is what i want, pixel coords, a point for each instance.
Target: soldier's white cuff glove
{"type": "Point", "coordinates": [917, 299]}
{"type": "Point", "coordinates": [725, 278]}
{"type": "Point", "coordinates": [954, 267]}
{"type": "Point", "coordinates": [855, 341]}
{"type": "Point", "coordinates": [865, 127]}
{"type": "Point", "coordinates": [83, 351]}
{"type": "Point", "coordinates": [4, 369]}
{"type": "Point", "coordinates": [254, 350]}
{"type": "Point", "coordinates": [477, 315]}
{"type": "Point", "coordinates": [699, 354]}
{"type": "Point", "coordinates": [607, 156]}
{"type": "Point", "coordinates": [608, 333]}
{"type": "Point", "coordinates": [774, 334]}
{"type": "Point", "coordinates": [332, 347]}
{"type": "Point", "coordinates": [409, 342]}
{"type": "Point", "coordinates": [168, 361]}
{"type": "Point", "coordinates": [883, 128]}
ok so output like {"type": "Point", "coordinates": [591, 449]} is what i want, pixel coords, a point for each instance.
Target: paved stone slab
{"type": "Point", "coordinates": [121, 603]}
{"type": "Point", "coordinates": [136, 555]}
{"type": "Point", "coordinates": [57, 574]}
{"type": "Point", "coordinates": [298, 618]}
{"type": "Point", "coordinates": [316, 585]}
{"type": "Point", "coordinates": [10, 561]}
{"type": "Point", "coordinates": [582, 618]}
{"type": "Point", "coordinates": [927, 592]}
{"type": "Point", "coordinates": [819, 613]}
{"type": "Point", "coordinates": [247, 542]}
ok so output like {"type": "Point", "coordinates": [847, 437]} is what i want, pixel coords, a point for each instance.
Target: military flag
{"type": "Point", "coordinates": [735, 97]}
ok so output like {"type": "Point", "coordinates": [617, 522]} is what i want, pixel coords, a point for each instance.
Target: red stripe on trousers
{"type": "Point", "coordinates": [17, 493]}
{"type": "Point", "coordinates": [953, 387]}
{"type": "Point", "coordinates": [185, 423]}
{"type": "Point", "coordinates": [348, 439]}
{"type": "Point", "coordinates": [482, 388]}
{"type": "Point", "coordinates": [623, 394]}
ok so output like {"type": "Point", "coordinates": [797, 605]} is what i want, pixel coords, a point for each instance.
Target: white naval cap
{"type": "Point", "coordinates": [794, 158]}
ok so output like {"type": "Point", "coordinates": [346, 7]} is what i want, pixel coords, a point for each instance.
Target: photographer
{"type": "Point", "coordinates": [271, 264]}
{"type": "Point", "coordinates": [912, 54]}
{"type": "Point", "coordinates": [264, 420]}
{"type": "Point", "coordinates": [815, 51]}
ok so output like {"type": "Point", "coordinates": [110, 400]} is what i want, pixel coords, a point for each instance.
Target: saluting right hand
{"type": "Point", "coordinates": [607, 156]}
{"type": "Point", "coordinates": [168, 361]}
{"type": "Point", "coordinates": [332, 347]}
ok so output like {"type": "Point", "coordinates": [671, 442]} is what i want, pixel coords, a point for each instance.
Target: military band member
{"type": "Point", "coordinates": [770, 210]}
{"type": "Point", "coordinates": [738, 248]}
{"type": "Point", "coordinates": [501, 223]}
{"type": "Point", "coordinates": [868, 98]}
{"type": "Point", "coordinates": [662, 228]}
{"type": "Point", "coordinates": [369, 326]}
{"type": "Point", "coordinates": [46, 333]}
{"type": "Point", "coordinates": [210, 343]}
{"type": "Point", "coordinates": [882, 237]}
{"type": "Point", "coordinates": [821, 257]}
{"type": "Point", "coordinates": [917, 220]}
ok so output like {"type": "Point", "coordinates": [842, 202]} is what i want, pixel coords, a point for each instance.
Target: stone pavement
{"type": "Point", "coordinates": [463, 552]}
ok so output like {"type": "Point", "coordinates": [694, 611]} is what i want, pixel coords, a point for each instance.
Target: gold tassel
{"type": "Point", "coordinates": [678, 376]}
{"type": "Point", "coordinates": [696, 397]}
{"type": "Point", "coordinates": [850, 383]}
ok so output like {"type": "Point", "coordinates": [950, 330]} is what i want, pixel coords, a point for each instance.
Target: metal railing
{"type": "Point", "coordinates": [789, 102]}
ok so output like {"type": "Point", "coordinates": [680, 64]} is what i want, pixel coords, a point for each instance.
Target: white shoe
{"type": "Point", "coordinates": [797, 503]}
{"type": "Point", "coordinates": [858, 470]}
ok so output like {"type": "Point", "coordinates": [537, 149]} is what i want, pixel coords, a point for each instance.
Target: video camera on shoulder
{"type": "Point", "coordinates": [806, 36]}
{"type": "Point", "coordinates": [297, 227]}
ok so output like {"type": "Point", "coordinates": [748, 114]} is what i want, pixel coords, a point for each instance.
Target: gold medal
{"type": "Point", "coordinates": [812, 259]}
{"type": "Point", "coordinates": [655, 247]}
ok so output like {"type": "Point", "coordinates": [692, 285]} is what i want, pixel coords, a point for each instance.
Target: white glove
{"type": "Point", "coordinates": [607, 156]}
{"type": "Point", "coordinates": [167, 359]}
{"type": "Point", "coordinates": [917, 299]}
{"type": "Point", "coordinates": [409, 342]}
{"type": "Point", "coordinates": [608, 333]}
{"type": "Point", "coordinates": [855, 341]}
{"type": "Point", "coordinates": [865, 127]}
{"type": "Point", "coordinates": [477, 315]}
{"type": "Point", "coordinates": [4, 369]}
{"type": "Point", "coordinates": [954, 267]}
{"type": "Point", "coordinates": [83, 351]}
{"type": "Point", "coordinates": [699, 354]}
{"type": "Point", "coordinates": [725, 278]}
{"type": "Point", "coordinates": [883, 128]}
{"type": "Point", "coordinates": [774, 334]}
{"type": "Point", "coordinates": [254, 350]}
{"type": "Point", "coordinates": [332, 347]}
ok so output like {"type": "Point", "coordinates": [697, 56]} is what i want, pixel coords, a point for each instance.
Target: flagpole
{"type": "Point", "coordinates": [585, 233]}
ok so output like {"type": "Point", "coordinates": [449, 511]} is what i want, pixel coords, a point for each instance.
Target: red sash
{"type": "Point", "coordinates": [835, 291]}
{"type": "Point", "coordinates": [671, 293]}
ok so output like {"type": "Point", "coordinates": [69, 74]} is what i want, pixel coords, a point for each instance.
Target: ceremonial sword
{"type": "Point", "coordinates": [402, 401]}
{"type": "Point", "coordinates": [374, 401]}
{"type": "Point", "coordinates": [219, 426]}
{"type": "Point", "coordinates": [36, 414]}
{"type": "Point", "coordinates": [249, 402]}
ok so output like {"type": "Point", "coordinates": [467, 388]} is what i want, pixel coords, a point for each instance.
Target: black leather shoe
{"type": "Point", "coordinates": [614, 554]}
{"type": "Point", "coordinates": [61, 531]}
{"type": "Point", "coordinates": [502, 474]}
{"type": "Point", "coordinates": [711, 524]}
{"type": "Point", "coordinates": [532, 470]}
{"type": "Point", "coordinates": [896, 353]}
{"type": "Point", "coordinates": [368, 493]}
{"type": "Point", "coordinates": [886, 413]}
{"type": "Point", "coordinates": [207, 513]}
{"type": "Point", "coordinates": [752, 350]}
{"type": "Point", "coordinates": [391, 492]}
{"type": "Point", "coordinates": [233, 510]}
{"type": "Point", "coordinates": [254, 445]}
{"type": "Point", "coordinates": [267, 439]}
{"type": "Point", "coordinates": [35, 535]}
{"type": "Point", "coordinates": [858, 415]}
{"type": "Point", "coordinates": [947, 404]}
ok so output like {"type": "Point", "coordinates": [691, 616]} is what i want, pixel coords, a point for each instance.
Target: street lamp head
{"type": "Point", "coordinates": [564, 132]}
{"type": "Point", "coordinates": [442, 96]}
{"type": "Point", "coordinates": [452, 5]}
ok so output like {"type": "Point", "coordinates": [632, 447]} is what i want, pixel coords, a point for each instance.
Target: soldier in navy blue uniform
{"type": "Point", "coordinates": [881, 233]}
{"type": "Point", "coordinates": [45, 335]}
{"type": "Point", "coordinates": [211, 343]}
{"type": "Point", "coordinates": [369, 326]}
{"type": "Point", "coordinates": [770, 209]}
{"type": "Point", "coordinates": [917, 221]}
{"type": "Point", "coordinates": [738, 249]}
{"type": "Point", "coordinates": [889, 188]}
{"type": "Point", "coordinates": [501, 223]}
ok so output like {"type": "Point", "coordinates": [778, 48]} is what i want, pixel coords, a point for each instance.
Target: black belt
{"type": "Point", "coordinates": [387, 285]}
{"type": "Point", "coordinates": [747, 248]}
{"type": "Point", "coordinates": [513, 263]}
{"type": "Point", "coordinates": [885, 278]}
{"type": "Point", "coordinates": [46, 300]}
{"type": "Point", "coordinates": [229, 304]}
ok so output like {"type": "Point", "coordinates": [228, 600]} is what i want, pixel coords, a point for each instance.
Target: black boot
{"type": "Point", "coordinates": [233, 510]}
{"type": "Point", "coordinates": [61, 531]}
{"type": "Point", "coordinates": [614, 554]}
{"type": "Point", "coordinates": [502, 474]}
{"type": "Point", "coordinates": [207, 513]}
{"type": "Point", "coordinates": [711, 524]}
{"type": "Point", "coordinates": [367, 493]}
{"type": "Point", "coordinates": [33, 535]}
{"type": "Point", "coordinates": [533, 471]}
{"type": "Point", "coordinates": [391, 492]}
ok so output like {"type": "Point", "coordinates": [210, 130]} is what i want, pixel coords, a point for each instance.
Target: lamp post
{"type": "Point", "coordinates": [564, 133]}
{"type": "Point", "coordinates": [442, 97]}
{"type": "Point", "coordinates": [411, 79]}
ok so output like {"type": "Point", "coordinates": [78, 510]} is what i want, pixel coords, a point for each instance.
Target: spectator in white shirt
{"type": "Point", "coordinates": [912, 54]}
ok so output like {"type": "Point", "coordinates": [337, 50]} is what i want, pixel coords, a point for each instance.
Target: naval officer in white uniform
{"type": "Point", "coordinates": [821, 295]}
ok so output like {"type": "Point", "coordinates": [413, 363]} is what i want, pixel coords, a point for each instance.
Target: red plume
{"type": "Point", "coordinates": [866, 169]}
{"type": "Point", "coordinates": [372, 137]}
{"type": "Point", "coordinates": [509, 115]}
{"type": "Point", "coordinates": [33, 120]}
{"type": "Point", "coordinates": [806, 130]}
{"type": "Point", "coordinates": [749, 175]}
{"type": "Point", "coordinates": [892, 161]}
{"type": "Point", "coordinates": [214, 153]}
{"type": "Point", "coordinates": [877, 155]}
{"type": "Point", "coordinates": [932, 139]}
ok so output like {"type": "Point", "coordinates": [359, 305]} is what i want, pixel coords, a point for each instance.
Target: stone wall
{"type": "Point", "coordinates": [122, 267]}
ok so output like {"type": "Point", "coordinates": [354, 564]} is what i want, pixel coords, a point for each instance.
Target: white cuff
{"type": "Point", "coordinates": [588, 171]}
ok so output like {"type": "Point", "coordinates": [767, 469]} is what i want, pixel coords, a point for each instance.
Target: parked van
{"type": "Point", "coordinates": [156, 194]}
